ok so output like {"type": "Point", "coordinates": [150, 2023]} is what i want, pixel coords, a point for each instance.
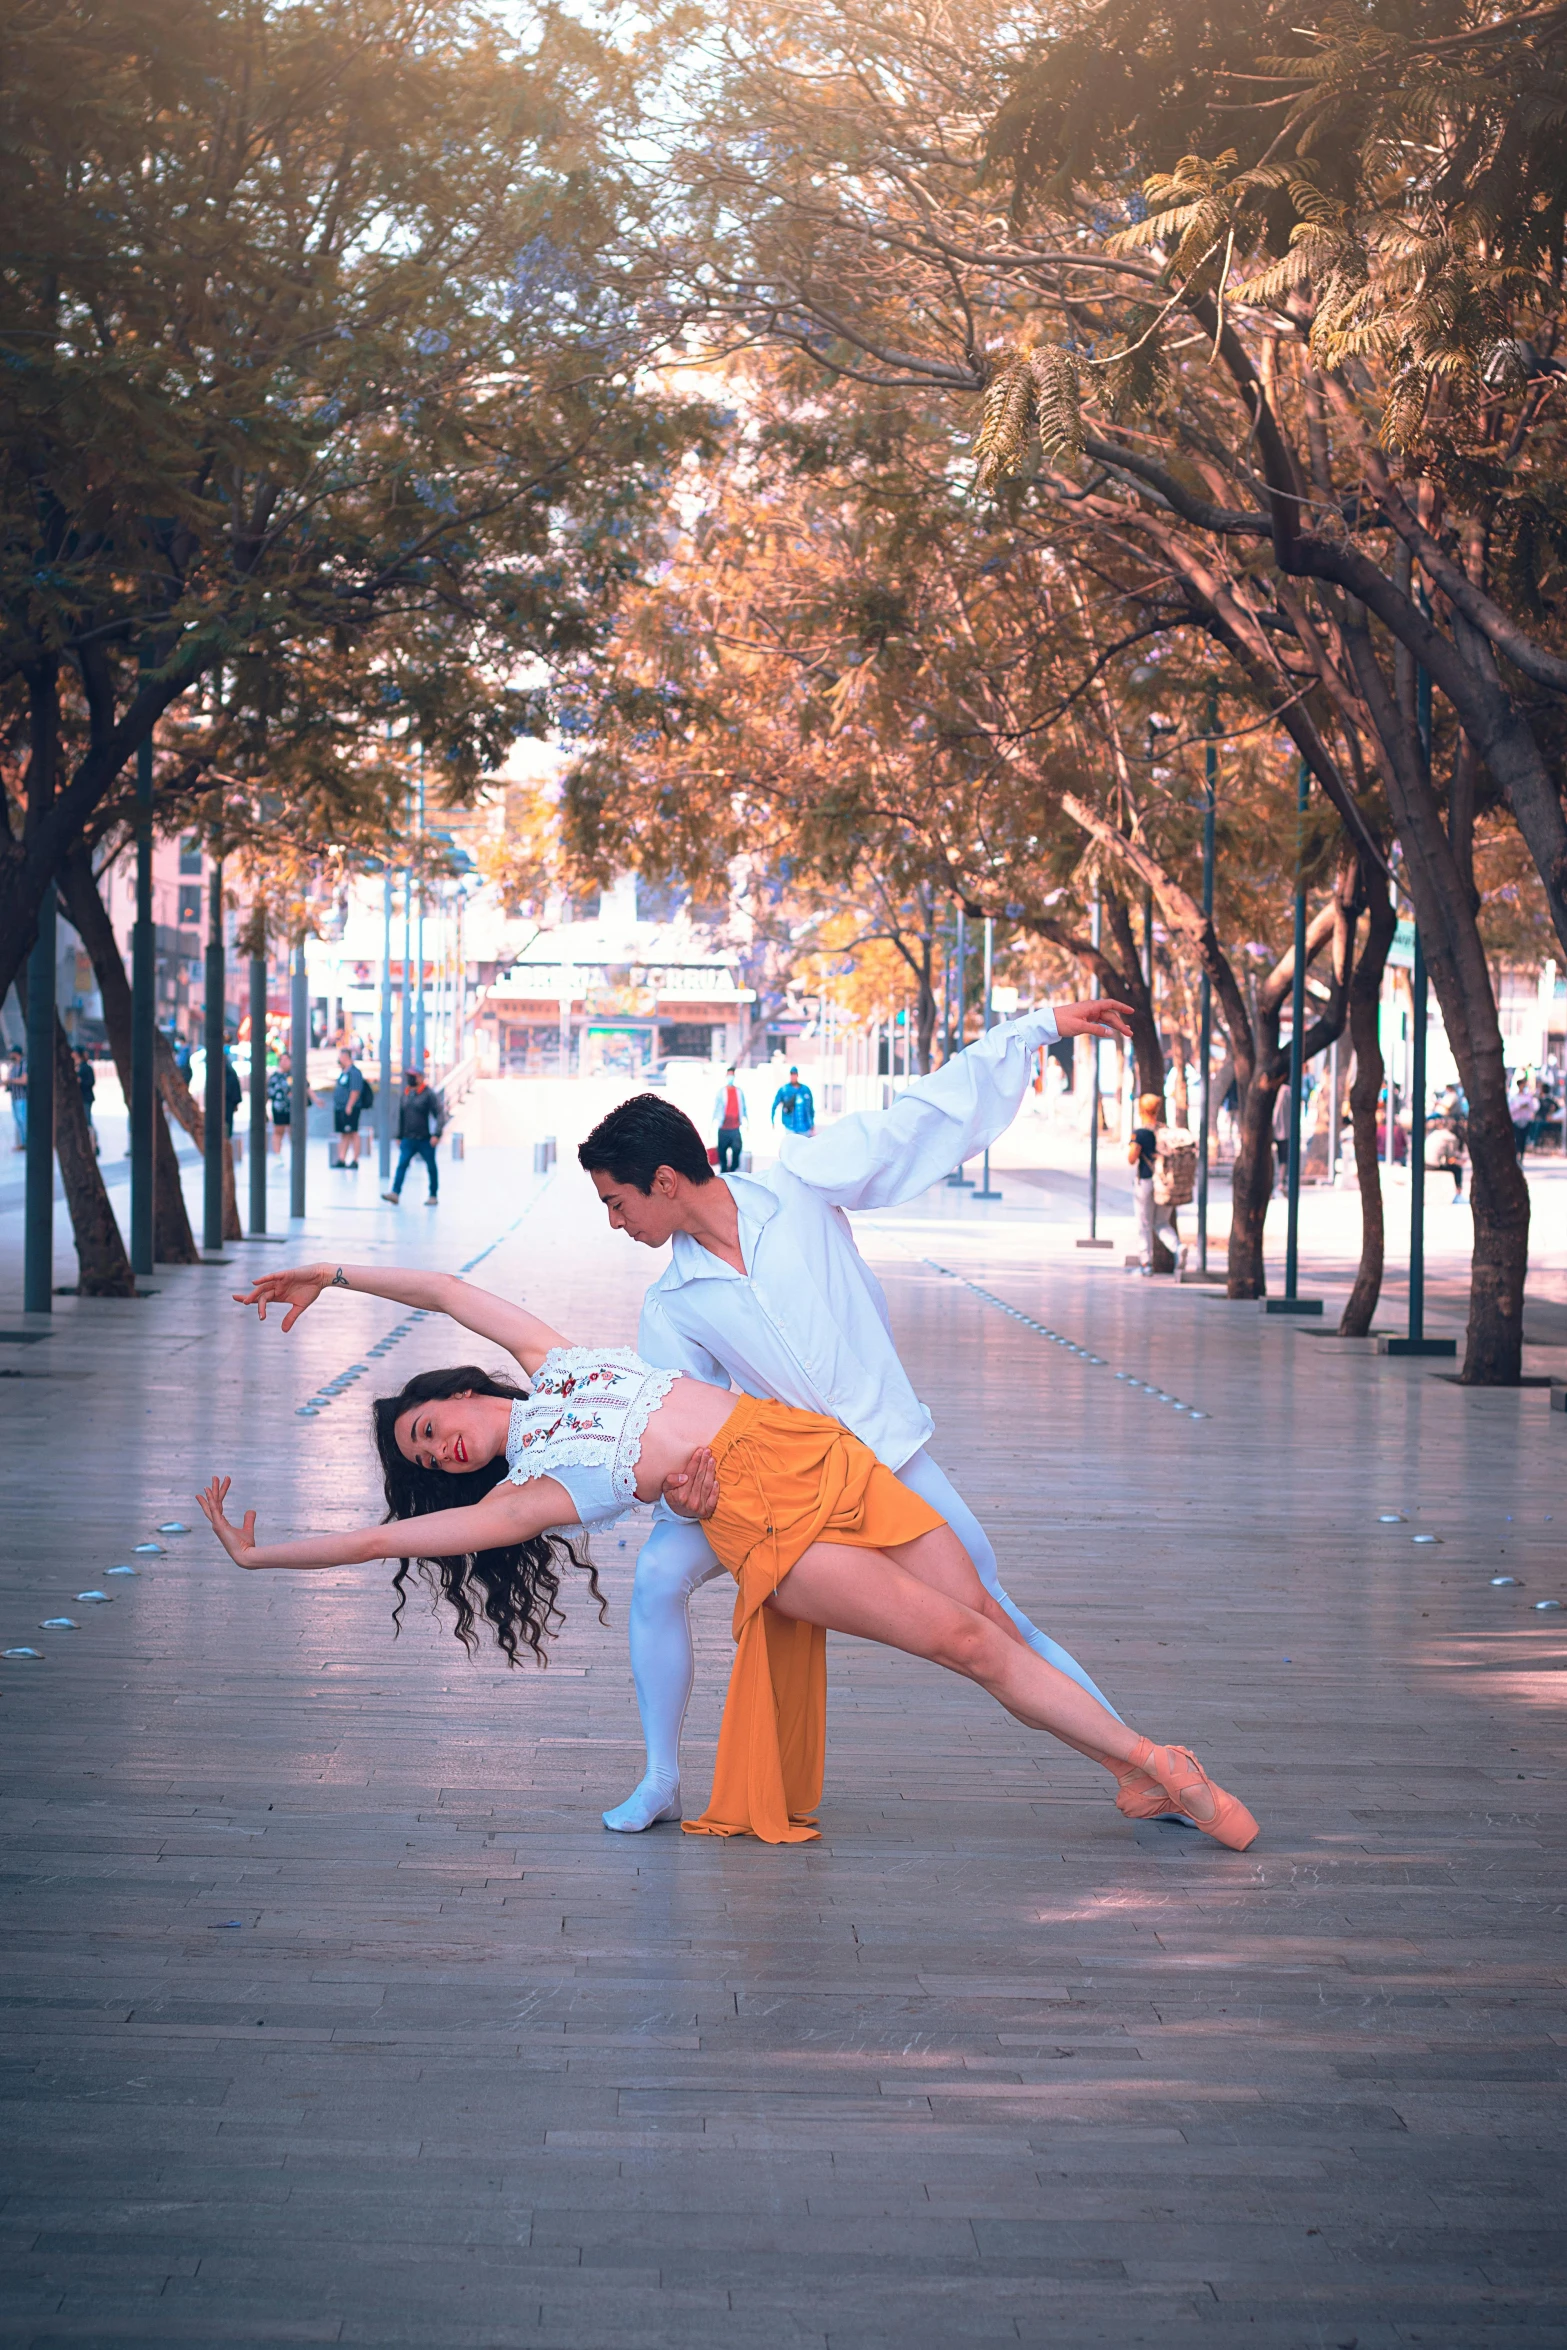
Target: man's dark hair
{"type": "Point", "coordinates": [640, 1136]}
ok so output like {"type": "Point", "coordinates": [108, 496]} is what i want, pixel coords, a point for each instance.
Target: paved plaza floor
{"type": "Point", "coordinates": [334, 2015]}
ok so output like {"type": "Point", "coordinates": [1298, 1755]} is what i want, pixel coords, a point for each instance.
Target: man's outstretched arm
{"type": "Point", "coordinates": [877, 1158]}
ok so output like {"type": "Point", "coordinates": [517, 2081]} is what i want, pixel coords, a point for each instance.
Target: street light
{"type": "Point", "coordinates": [957, 1180]}
{"type": "Point", "coordinates": [985, 1191]}
{"type": "Point", "coordinates": [1093, 1240]}
{"type": "Point", "coordinates": [1416, 1342]}
{"type": "Point", "coordinates": [1291, 1302]}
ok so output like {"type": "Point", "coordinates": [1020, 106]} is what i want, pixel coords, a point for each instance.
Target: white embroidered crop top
{"type": "Point", "coordinates": [583, 1425]}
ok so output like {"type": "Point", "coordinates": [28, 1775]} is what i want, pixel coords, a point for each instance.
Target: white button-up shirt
{"type": "Point", "coordinates": [806, 1322]}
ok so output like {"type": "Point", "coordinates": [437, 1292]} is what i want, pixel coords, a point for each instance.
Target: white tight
{"type": "Point", "coordinates": [676, 1558]}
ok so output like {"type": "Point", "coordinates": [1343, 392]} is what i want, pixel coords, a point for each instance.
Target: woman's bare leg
{"type": "Point", "coordinates": [939, 1560]}
{"type": "Point", "coordinates": [878, 1595]}
{"type": "Point", "coordinates": [908, 1598]}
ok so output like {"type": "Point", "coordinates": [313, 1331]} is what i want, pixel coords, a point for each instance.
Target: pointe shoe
{"type": "Point", "coordinates": [1195, 1796]}
{"type": "Point", "coordinates": [649, 1805]}
{"type": "Point", "coordinates": [1141, 1797]}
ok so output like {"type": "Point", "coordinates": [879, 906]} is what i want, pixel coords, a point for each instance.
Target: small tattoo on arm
{"type": "Point", "coordinates": [339, 1279]}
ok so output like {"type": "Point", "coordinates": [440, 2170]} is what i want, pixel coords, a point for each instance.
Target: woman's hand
{"type": "Point", "coordinates": [238, 1541]}
{"type": "Point", "coordinates": [1097, 1016]}
{"type": "Point", "coordinates": [296, 1289]}
{"type": "Point", "coordinates": [692, 1492]}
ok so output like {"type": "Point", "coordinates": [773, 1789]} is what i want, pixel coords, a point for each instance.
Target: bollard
{"type": "Point", "coordinates": [457, 1142]}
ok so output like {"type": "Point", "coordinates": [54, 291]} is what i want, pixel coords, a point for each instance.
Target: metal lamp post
{"type": "Point", "coordinates": [144, 1014]}
{"type": "Point", "coordinates": [1092, 1240]}
{"type": "Point", "coordinates": [986, 1190]}
{"type": "Point", "coordinates": [1205, 1019]}
{"type": "Point", "coordinates": [1416, 1341]}
{"type": "Point", "coordinates": [258, 1077]}
{"type": "Point", "coordinates": [1291, 1302]}
{"type": "Point", "coordinates": [419, 948]}
{"type": "Point", "coordinates": [38, 1196]}
{"type": "Point", "coordinates": [957, 1180]}
{"type": "Point", "coordinates": [299, 1105]}
{"type": "Point", "coordinates": [215, 1105]}
{"type": "Point", "coordinates": [383, 1107]}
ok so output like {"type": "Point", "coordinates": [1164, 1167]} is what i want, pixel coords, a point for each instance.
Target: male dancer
{"type": "Point", "coordinates": [766, 1291]}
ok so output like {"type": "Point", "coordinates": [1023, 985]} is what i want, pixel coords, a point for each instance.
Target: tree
{"type": "Point", "coordinates": [322, 376]}
{"type": "Point", "coordinates": [1273, 313]}
{"type": "Point", "coordinates": [851, 672]}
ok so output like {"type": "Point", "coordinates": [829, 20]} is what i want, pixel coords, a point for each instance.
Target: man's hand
{"type": "Point", "coordinates": [297, 1290]}
{"type": "Point", "coordinates": [1100, 1016]}
{"type": "Point", "coordinates": [238, 1541]}
{"type": "Point", "coordinates": [692, 1492]}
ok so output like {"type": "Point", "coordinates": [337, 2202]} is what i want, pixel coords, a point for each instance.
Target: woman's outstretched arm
{"type": "Point", "coordinates": [510, 1513]}
{"type": "Point", "coordinates": [522, 1334]}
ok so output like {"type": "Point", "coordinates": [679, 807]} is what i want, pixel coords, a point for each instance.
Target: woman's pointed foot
{"type": "Point", "coordinates": [1194, 1795]}
{"type": "Point", "coordinates": [1140, 1797]}
{"type": "Point", "coordinates": [648, 1805]}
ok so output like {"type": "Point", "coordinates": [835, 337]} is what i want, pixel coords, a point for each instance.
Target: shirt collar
{"type": "Point", "coordinates": [757, 1205]}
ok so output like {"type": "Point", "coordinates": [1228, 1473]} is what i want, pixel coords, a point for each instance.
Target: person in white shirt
{"type": "Point", "coordinates": [767, 1292]}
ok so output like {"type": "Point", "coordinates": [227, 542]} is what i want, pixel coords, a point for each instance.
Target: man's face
{"type": "Point", "coordinates": [345, 1060]}
{"type": "Point", "coordinates": [651, 1217]}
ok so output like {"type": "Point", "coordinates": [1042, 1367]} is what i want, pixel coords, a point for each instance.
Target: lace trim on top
{"type": "Point", "coordinates": [589, 1409]}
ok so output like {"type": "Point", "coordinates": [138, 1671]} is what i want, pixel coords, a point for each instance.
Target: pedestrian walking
{"type": "Point", "coordinates": [16, 1087]}
{"type": "Point", "coordinates": [280, 1099]}
{"type": "Point", "coordinates": [796, 1104]}
{"type": "Point", "coordinates": [1523, 1106]}
{"type": "Point", "coordinates": [818, 1533]}
{"type": "Point", "coordinates": [1445, 1139]}
{"type": "Point", "coordinates": [1154, 1191]}
{"type": "Point", "coordinates": [420, 1120]}
{"type": "Point", "coordinates": [351, 1097]}
{"type": "Point", "coordinates": [731, 1114]}
{"type": "Point", "coordinates": [88, 1083]}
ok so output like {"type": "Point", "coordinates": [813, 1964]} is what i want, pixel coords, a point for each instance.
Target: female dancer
{"type": "Point", "coordinates": [818, 1535]}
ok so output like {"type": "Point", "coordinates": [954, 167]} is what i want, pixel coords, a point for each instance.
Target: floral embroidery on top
{"type": "Point", "coordinates": [583, 1425]}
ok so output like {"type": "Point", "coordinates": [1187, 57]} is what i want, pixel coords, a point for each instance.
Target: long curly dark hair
{"type": "Point", "coordinates": [513, 1588]}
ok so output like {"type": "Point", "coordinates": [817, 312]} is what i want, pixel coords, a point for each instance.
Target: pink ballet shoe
{"type": "Point", "coordinates": [1140, 1797]}
{"type": "Point", "coordinates": [1194, 1795]}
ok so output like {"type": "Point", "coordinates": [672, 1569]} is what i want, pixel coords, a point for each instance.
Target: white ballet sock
{"type": "Point", "coordinates": [652, 1800]}
{"type": "Point", "coordinates": [675, 1559]}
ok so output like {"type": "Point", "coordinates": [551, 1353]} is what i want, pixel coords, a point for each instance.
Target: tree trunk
{"type": "Point", "coordinates": [1461, 979]}
{"type": "Point", "coordinates": [925, 1020]}
{"type": "Point", "coordinates": [174, 1089]}
{"type": "Point", "coordinates": [233, 1229]}
{"type": "Point", "coordinates": [1252, 1179]}
{"type": "Point", "coordinates": [173, 1242]}
{"type": "Point", "coordinates": [102, 1267]}
{"type": "Point", "coordinates": [1365, 1000]}
{"type": "Point", "coordinates": [1499, 1198]}
{"type": "Point", "coordinates": [1147, 1045]}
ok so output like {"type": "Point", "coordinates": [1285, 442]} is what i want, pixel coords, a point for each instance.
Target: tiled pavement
{"type": "Point", "coordinates": [336, 2017]}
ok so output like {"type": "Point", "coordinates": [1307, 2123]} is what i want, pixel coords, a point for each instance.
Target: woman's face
{"type": "Point", "coordinates": [458, 1434]}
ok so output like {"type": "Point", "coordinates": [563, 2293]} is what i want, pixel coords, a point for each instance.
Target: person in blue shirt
{"type": "Point", "coordinates": [799, 1110]}
{"type": "Point", "coordinates": [350, 1098]}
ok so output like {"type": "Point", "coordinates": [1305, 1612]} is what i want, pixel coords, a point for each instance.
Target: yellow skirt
{"type": "Point", "coordinates": [786, 1479]}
